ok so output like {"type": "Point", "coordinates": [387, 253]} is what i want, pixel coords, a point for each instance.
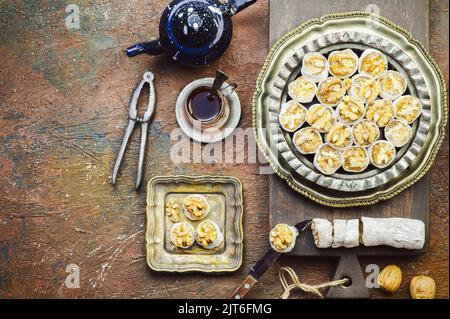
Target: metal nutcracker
{"type": "Point", "coordinates": [148, 78]}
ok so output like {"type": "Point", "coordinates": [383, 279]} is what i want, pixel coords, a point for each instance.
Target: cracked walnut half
{"type": "Point", "coordinates": [365, 133]}
{"type": "Point", "coordinates": [340, 136]}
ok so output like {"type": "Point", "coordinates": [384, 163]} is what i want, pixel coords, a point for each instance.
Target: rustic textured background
{"type": "Point", "coordinates": [63, 101]}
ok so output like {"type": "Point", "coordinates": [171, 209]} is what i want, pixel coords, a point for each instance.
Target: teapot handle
{"type": "Point", "coordinates": [152, 47]}
{"type": "Point", "coordinates": [239, 5]}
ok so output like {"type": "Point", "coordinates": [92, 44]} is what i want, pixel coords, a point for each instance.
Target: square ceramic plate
{"type": "Point", "coordinates": [224, 194]}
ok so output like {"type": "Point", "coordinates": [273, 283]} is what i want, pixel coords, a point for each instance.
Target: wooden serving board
{"type": "Point", "coordinates": [288, 206]}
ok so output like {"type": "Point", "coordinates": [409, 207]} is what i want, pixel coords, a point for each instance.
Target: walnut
{"type": "Point", "coordinates": [365, 87]}
{"type": "Point", "coordinates": [373, 63]}
{"type": "Point", "coordinates": [328, 159]}
{"type": "Point", "coordinates": [398, 132]}
{"type": "Point", "coordinates": [343, 63]}
{"type": "Point", "coordinates": [355, 159]}
{"type": "Point", "coordinates": [382, 153]}
{"type": "Point", "coordinates": [196, 207]}
{"type": "Point", "coordinates": [390, 279]}
{"type": "Point", "coordinates": [182, 235]}
{"type": "Point", "coordinates": [408, 108]}
{"type": "Point", "coordinates": [365, 133]}
{"type": "Point", "coordinates": [351, 109]}
{"type": "Point", "coordinates": [315, 63]}
{"type": "Point", "coordinates": [292, 116]}
{"type": "Point", "coordinates": [302, 90]}
{"type": "Point", "coordinates": [206, 233]}
{"type": "Point", "coordinates": [422, 287]}
{"type": "Point", "coordinates": [393, 84]}
{"type": "Point", "coordinates": [307, 140]}
{"type": "Point", "coordinates": [340, 135]}
{"type": "Point", "coordinates": [381, 112]}
{"type": "Point", "coordinates": [281, 237]}
{"type": "Point", "coordinates": [173, 211]}
{"type": "Point", "coordinates": [320, 117]}
{"type": "Point", "coordinates": [331, 91]}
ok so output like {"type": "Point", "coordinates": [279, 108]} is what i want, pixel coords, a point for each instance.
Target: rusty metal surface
{"type": "Point", "coordinates": [63, 102]}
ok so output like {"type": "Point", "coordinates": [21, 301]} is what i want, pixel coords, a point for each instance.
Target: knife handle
{"type": "Point", "coordinates": [244, 288]}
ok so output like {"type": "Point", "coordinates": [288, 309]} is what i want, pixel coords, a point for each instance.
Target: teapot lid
{"type": "Point", "coordinates": [196, 28]}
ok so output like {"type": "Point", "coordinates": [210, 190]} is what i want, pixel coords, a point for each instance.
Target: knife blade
{"type": "Point", "coordinates": [262, 265]}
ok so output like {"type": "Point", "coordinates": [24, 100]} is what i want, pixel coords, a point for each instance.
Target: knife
{"type": "Point", "coordinates": [262, 265]}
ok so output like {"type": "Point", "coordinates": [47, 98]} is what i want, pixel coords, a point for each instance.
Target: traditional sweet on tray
{"type": "Point", "coordinates": [182, 235]}
{"type": "Point", "coordinates": [366, 87]}
{"type": "Point", "coordinates": [328, 159]}
{"type": "Point", "coordinates": [372, 63]}
{"type": "Point", "coordinates": [282, 238]}
{"type": "Point", "coordinates": [365, 133]}
{"type": "Point", "coordinates": [340, 136]}
{"type": "Point", "coordinates": [209, 235]}
{"type": "Point", "coordinates": [360, 117]}
{"type": "Point", "coordinates": [422, 287]}
{"type": "Point", "coordinates": [320, 117]}
{"type": "Point", "coordinates": [380, 111]}
{"type": "Point", "coordinates": [292, 116]}
{"type": "Point", "coordinates": [322, 230]}
{"type": "Point", "coordinates": [307, 140]}
{"type": "Point", "coordinates": [398, 132]}
{"type": "Point", "coordinates": [390, 279]}
{"type": "Point", "coordinates": [382, 154]}
{"type": "Point", "coordinates": [314, 67]}
{"type": "Point", "coordinates": [343, 64]}
{"type": "Point", "coordinates": [302, 90]}
{"type": "Point", "coordinates": [408, 108]}
{"type": "Point", "coordinates": [355, 159]}
{"type": "Point", "coordinates": [331, 91]}
{"type": "Point", "coordinates": [393, 85]}
{"type": "Point", "coordinates": [395, 232]}
{"type": "Point", "coordinates": [196, 207]}
{"type": "Point", "coordinates": [351, 109]}
{"type": "Point", "coordinates": [173, 211]}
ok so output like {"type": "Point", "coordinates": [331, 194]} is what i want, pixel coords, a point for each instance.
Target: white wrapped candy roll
{"type": "Point", "coordinates": [339, 232]}
{"type": "Point", "coordinates": [394, 232]}
{"type": "Point", "coordinates": [351, 233]}
{"type": "Point", "coordinates": [346, 233]}
{"type": "Point", "coordinates": [322, 231]}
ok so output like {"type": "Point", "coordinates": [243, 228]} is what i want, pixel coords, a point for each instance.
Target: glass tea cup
{"type": "Point", "coordinates": [208, 109]}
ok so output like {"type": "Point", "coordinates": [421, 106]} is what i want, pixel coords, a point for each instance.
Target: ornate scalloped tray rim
{"type": "Point", "coordinates": [378, 196]}
{"type": "Point", "coordinates": [238, 226]}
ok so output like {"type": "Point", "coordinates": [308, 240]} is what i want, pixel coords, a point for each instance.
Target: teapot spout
{"type": "Point", "coordinates": [239, 5]}
{"type": "Point", "coordinates": [151, 47]}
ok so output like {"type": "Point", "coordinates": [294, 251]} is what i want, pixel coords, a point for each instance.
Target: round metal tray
{"type": "Point", "coordinates": [358, 31]}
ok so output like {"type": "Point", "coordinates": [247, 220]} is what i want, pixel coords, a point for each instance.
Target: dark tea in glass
{"type": "Point", "coordinates": [204, 105]}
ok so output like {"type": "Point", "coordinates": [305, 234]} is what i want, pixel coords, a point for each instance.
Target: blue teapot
{"type": "Point", "coordinates": [193, 32]}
